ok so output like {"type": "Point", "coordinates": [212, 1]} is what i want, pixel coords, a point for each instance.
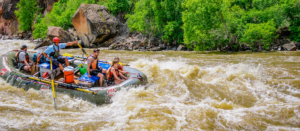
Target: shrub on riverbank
{"type": "Point", "coordinates": [199, 24]}
{"type": "Point", "coordinates": [26, 14]}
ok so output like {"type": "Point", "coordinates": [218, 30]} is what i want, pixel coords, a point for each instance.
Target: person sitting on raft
{"type": "Point", "coordinates": [93, 68]}
{"type": "Point", "coordinates": [24, 63]}
{"type": "Point", "coordinates": [114, 75]}
{"type": "Point", "coordinates": [121, 67]}
{"type": "Point", "coordinates": [52, 53]}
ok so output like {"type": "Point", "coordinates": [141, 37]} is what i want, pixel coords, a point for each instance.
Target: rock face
{"type": "Point", "coordinates": [46, 5]}
{"type": "Point", "coordinates": [9, 24]}
{"type": "Point", "coordinates": [94, 24]}
{"type": "Point", "coordinates": [59, 32]}
{"type": "Point", "coordinates": [290, 46]}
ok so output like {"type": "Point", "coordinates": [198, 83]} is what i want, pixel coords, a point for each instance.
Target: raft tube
{"type": "Point", "coordinates": [98, 95]}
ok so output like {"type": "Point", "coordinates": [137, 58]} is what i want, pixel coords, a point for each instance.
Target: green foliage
{"type": "Point", "coordinates": [116, 6]}
{"type": "Point", "coordinates": [26, 14]}
{"type": "Point", "coordinates": [40, 28]}
{"type": "Point", "coordinates": [259, 34]}
{"type": "Point", "coordinates": [60, 16]}
{"type": "Point", "coordinates": [230, 23]}
{"type": "Point", "coordinates": [201, 19]}
{"type": "Point", "coordinates": [295, 30]}
{"type": "Point", "coordinates": [162, 17]}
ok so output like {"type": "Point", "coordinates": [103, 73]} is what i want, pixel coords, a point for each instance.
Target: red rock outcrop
{"type": "Point", "coordinates": [94, 24]}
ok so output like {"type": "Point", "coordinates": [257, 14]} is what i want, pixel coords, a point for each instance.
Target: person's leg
{"type": "Point", "coordinates": [101, 79]}
{"type": "Point", "coordinates": [26, 68]}
{"type": "Point", "coordinates": [57, 64]}
{"type": "Point", "coordinates": [104, 70]}
{"type": "Point", "coordinates": [67, 62]}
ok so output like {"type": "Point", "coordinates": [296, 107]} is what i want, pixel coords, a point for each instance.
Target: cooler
{"type": "Point", "coordinates": [45, 67]}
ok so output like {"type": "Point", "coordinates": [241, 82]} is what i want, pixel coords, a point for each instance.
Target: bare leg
{"type": "Point", "coordinates": [101, 79]}
{"type": "Point", "coordinates": [67, 62]}
{"type": "Point", "coordinates": [61, 67]}
{"type": "Point", "coordinates": [27, 68]}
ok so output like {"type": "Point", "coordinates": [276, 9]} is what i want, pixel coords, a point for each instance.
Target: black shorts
{"type": "Point", "coordinates": [22, 67]}
{"type": "Point", "coordinates": [96, 72]}
{"type": "Point", "coordinates": [59, 60]}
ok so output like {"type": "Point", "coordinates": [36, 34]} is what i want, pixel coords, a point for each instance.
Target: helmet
{"type": "Point", "coordinates": [45, 75]}
{"type": "Point", "coordinates": [55, 39]}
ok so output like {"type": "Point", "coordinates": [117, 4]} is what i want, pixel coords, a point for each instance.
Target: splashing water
{"type": "Point", "coordinates": [185, 91]}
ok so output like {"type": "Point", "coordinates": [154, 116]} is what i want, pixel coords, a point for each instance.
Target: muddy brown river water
{"type": "Point", "coordinates": [185, 91]}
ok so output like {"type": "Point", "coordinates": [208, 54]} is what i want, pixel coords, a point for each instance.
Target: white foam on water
{"type": "Point", "coordinates": [181, 94]}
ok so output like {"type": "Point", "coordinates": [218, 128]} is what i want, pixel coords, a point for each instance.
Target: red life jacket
{"type": "Point", "coordinates": [26, 57]}
{"type": "Point", "coordinates": [120, 68]}
{"type": "Point", "coordinates": [111, 76]}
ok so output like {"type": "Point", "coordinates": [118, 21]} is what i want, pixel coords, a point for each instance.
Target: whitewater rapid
{"type": "Point", "coordinates": [185, 91]}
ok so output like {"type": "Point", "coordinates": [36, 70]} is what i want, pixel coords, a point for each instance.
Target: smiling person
{"type": "Point", "coordinates": [93, 68]}
{"type": "Point", "coordinates": [52, 53]}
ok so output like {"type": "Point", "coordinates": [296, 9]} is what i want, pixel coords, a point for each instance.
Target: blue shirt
{"type": "Point", "coordinates": [50, 49]}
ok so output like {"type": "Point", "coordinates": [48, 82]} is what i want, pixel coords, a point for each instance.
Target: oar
{"type": "Point", "coordinates": [52, 83]}
{"type": "Point", "coordinates": [69, 86]}
{"type": "Point", "coordinates": [83, 50]}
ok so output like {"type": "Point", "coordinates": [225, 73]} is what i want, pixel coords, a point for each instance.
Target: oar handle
{"type": "Point", "coordinates": [83, 50]}
{"type": "Point", "coordinates": [52, 83]}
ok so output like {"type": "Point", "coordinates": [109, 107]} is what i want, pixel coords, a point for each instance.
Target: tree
{"type": "Point", "coordinates": [162, 18]}
{"type": "Point", "coordinates": [26, 14]}
{"type": "Point", "coordinates": [259, 35]}
{"type": "Point", "coordinates": [202, 19]}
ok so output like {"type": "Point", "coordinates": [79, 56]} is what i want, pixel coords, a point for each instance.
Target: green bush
{"type": "Point", "coordinates": [116, 6]}
{"type": "Point", "coordinates": [26, 14]}
{"type": "Point", "coordinates": [259, 34]}
{"type": "Point", "coordinates": [60, 16]}
{"type": "Point", "coordinates": [295, 30]}
{"type": "Point", "coordinates": [158, 18]}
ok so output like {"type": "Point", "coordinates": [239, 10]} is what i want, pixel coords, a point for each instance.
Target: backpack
{"type": "Point", "coordinates": [39, 57]}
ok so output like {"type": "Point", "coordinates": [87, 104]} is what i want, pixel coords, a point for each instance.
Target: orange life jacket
{"type": "Point", "coordinates": [26, 57]}
{"type": "Point", "coordinates": [94, 64]}
{"type": "Point", "coordinates": [120, 68]}
{"type": "Point", "coordinates": [111, 76]}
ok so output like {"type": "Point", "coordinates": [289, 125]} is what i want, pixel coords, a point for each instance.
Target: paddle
{"type": "Point", "coordinates": [52, 83]}
{"type": "Point", "coordinates": [83, 50]}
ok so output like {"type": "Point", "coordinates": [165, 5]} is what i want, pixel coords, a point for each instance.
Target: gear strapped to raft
{"type": "Point", "coordinates": [55, 54]}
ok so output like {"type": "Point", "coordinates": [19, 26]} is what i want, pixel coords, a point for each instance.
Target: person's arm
{"type": "Point", "coordinates": [45, 54]}
{"type": "Point", "coordinates": [71, 43]}
{"type": "Point", "coordinates": [122, 75]}
{"type": "Point", "coordinates": [26, 63]}
{"type": "Point", "coordinates": [115, 74]}
{"type": "Point", "coordinates": [89, 62]}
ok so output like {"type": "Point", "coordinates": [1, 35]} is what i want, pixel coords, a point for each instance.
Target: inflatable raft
{"type": "Point", "coordinates": [99, 95]}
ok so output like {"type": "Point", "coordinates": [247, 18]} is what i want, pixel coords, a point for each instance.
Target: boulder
{"type": "Point", "coordinates": [290, 46]}
{"type": "Point", "coordinates": [73, 32]}
{"type": "Point", "coordinates": [298, 45]}
{"type": "Point", "coordinates": [63, 35]}
{"type": "Point", "coordinates": [43, 44]}
{"type": "Point", "coordinates": [9, 7]}
{"type": "Point", "coordinates": [94, 24]}
{"type": "Point", "coordinates": [181, 47]}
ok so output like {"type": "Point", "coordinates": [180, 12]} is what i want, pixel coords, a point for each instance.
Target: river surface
{"type": "Point", "coordinates": [185, 91]}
